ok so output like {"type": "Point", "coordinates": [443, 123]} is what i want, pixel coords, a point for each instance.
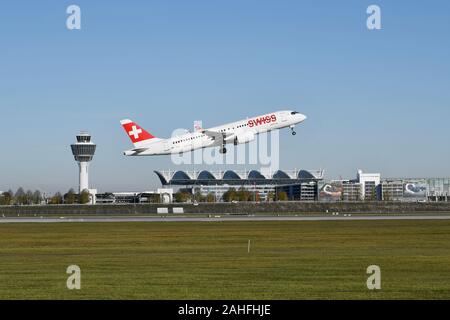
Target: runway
{"type": "Point", "coordinates": [218, 218]}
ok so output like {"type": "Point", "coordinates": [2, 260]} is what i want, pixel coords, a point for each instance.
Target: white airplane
{"type": "Point", "coordinates": [145, 144]}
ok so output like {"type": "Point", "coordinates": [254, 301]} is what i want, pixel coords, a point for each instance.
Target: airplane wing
{"type": "Point", "coordinates": [218, 136]}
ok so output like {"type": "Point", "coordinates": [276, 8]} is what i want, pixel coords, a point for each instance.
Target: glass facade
{"type": "Point", "coordinates": [83, 138]}
{"type": "Point", "coordinates": [392, 190]}
{"type": "Point", "coordinates": [351, 191]}
{"type": "Point", "coordinates": [83, 152]}
{"type": "Point", "coordinates": [438, 186]}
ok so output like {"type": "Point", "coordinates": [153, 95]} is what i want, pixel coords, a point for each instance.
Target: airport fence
{"type": "Point", "coordinates": [241, 208]}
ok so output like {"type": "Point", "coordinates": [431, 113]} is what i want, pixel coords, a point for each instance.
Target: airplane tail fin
{"type": "Point", "coordinates": [136, 133]}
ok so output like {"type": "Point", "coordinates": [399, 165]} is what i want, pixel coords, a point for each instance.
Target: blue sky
{"type": "Point", "coordinates": [376, 100]}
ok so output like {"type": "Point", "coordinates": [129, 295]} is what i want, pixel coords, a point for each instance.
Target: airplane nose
{"type": "Point", "coordinates": [302, 117]}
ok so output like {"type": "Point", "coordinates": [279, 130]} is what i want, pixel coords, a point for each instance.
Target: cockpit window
{"type": "Point", "coordinates": [294, 112]}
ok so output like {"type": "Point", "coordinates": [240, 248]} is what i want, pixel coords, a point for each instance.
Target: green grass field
{"type": "Point", "coordinates": [209, 260]}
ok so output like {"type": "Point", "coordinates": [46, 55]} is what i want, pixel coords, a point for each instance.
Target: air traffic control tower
{"type": "Point", "coordinates": [83, 151]}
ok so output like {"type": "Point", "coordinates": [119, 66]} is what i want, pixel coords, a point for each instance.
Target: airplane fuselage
{"type": "Point", "coordinates": [236, 133]}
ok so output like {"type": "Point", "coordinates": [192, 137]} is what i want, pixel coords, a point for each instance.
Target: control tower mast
{"type": "Point", "coordinates": [83, 152]}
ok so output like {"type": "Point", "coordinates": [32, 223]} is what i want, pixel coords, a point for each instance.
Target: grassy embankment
{"type": "Point", "coordinates": [288, 260]}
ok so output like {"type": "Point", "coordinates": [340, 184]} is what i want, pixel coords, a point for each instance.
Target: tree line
{"type": "Point", "coordinates": [22, 197]}
{"type": "Point", "coordinates": [231, 195]}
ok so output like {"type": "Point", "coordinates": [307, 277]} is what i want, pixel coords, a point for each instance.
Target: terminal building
{"type": "Point", "coordinates": [298, 184]}
{"type": "Point", "coordinates": [416, 189]}
{"type": "Point", "coordinates": [370, 187]}
{"type": "Point", "coordinates": [307, 185]}
{"type": "Point", "coordinates": [366, 186]}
